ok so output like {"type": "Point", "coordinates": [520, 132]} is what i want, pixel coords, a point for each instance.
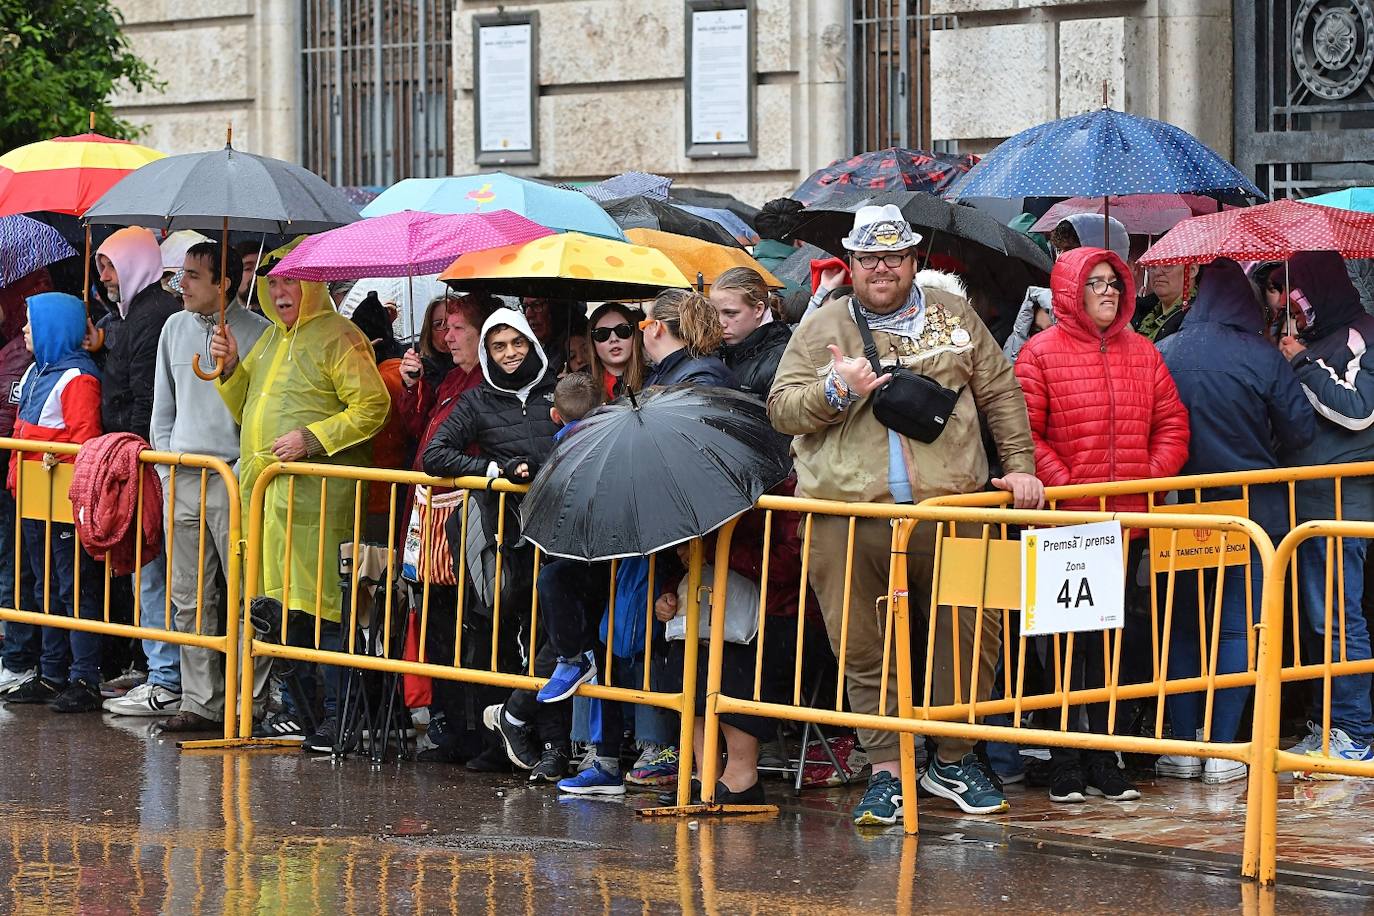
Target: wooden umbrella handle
{"type": "Point", "coordinates": [207, 376]}
{"type": "Point", "coordinates": [223, 296]}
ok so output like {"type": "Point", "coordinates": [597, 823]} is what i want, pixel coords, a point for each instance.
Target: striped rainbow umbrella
{"type": "Point", "coordinates": [66, 174]}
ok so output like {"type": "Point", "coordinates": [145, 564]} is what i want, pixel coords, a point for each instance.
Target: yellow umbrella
{"type": "Point", "coordinates": [568, 265]}
{"type": "Point", "coordinates": [694, 256]}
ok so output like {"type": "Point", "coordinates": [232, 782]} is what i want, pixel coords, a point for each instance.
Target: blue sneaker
{"type": "Point", "coordinates": [881, 805]}
{"type": "Point", "coordinates": [1343, 747]}
{"type": "Point", "coordinates": [593, 781]}
{"type": "Point", "coordinates": [965, 783]}
{"type": "Point", "coordinates": [570, 674]}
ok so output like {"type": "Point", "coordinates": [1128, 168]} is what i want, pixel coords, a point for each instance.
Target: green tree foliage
{"type": "Point", "coordinates": [59, 60]}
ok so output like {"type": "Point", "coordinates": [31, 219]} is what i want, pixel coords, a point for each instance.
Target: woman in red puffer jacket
{"type": "Point", "coordinates": [1102, 407]}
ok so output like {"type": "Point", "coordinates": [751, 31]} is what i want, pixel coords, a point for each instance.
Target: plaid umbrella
{"type": "Point", "coordinates": [891, 169]}
{"type": "Point", "coordinates": [1270, 232]}
{"type": "Point", "coordinates": [26, 245]}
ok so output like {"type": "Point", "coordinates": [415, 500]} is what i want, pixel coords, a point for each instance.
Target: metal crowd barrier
{"type": "Point", "coordinates": [976, 572]}
{"type": "Point", "coordinates": [41, 494]}
{"type": "Point", "coordinates": [287, 486]}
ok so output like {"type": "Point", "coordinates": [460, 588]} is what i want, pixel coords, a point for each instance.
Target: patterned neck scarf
{"type": "Point", "coordinates": [907, 321]}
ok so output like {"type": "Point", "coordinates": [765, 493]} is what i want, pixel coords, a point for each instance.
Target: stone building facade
{"type": "Point", "coordinates": [611, 77]}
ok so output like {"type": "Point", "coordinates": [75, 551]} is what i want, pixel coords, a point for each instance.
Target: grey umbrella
{"type": "Point", "coordinates": [224, 189]}
{"type": "Point", "coordinates": [203, 190]}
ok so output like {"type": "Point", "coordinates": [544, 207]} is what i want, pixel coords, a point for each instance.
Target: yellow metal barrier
{"type": "Point", "coordinates": [291, 488]}
{"type": "Point", "coordinates": [41, 495]}
{"type": "Point", "coordinates": [974, 585]}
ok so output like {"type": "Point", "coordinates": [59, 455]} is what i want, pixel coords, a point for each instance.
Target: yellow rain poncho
{"type": "Point", "coordinates": [320, 375]}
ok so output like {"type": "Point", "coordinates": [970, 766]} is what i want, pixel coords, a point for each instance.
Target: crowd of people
{"type": "Point", "coordinates": [1228, 368]}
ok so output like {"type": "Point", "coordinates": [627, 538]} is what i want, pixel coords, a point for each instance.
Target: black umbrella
{"type": "Point", "coordinates": [646, 473]}
{"type": "Point", "coordinates": [222, 190]}
{"type": "Point", "coordinates": [642, 212]}
{"type": "Point", "coordinates": [797, 267]}
{"type": "Point", "coordinates": [717, 200]}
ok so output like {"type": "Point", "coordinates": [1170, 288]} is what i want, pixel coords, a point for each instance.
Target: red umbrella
{"type": "Point", "coordinates": [1141, 214]}
{"type": "Point", "coordinates": [1269, 232]}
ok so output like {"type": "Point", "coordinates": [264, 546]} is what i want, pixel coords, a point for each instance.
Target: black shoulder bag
{"type": "Point", "coordinates": [911, 404]}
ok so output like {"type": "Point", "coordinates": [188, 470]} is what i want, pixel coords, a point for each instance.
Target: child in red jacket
{"type": "Point", "coordinates": [59, 401]}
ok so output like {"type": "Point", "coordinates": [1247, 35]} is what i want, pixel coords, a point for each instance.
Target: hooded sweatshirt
{"type": "Point", "coordinates": [1088, 227]}
{"type": "Point", "coordinates": [188, 413]}
{"type": "Point", "coordinates": [1240, 393]}
{"type": "Point", "coordinates": [59, 395]}
{"type": "Point", "coordinates": [1336, 371]}
{"type": "Point", "coordinates": [1101, 403]}
{"type": "Point", "coordinates": [502, 422]}
{"type": "Point", "coordinates": [132, 331]}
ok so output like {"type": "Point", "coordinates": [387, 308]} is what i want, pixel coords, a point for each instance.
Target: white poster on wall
{"type": "Point", "coordinates": [720, 76]}
{"type": "Point", "coordinates": [504, 71]}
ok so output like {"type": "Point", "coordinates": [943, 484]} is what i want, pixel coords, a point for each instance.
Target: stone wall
{"type": "Point", "coordinates": [1011, 64]}
{"type": "Point", "coordinates": [612, 73]}
{"type": "Point", "coordinates": [222, 61]}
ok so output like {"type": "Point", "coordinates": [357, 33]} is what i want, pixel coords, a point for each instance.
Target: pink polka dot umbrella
{"type": "Point", "coordinates": [404, 244]}
{"type": "Point", "coordinates": [1269, 232]}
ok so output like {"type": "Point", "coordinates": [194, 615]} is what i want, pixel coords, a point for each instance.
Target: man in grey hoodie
{"type": "Point", "coordinates": [190, 416]}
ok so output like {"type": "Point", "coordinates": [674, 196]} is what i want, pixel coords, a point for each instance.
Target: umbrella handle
{"type": "Point", "coordinates": [207, 376]}
{"type": "Point", "coordinates": [97, 343]}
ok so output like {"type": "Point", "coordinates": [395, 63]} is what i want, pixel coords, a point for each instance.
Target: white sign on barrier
{"type": "Point", "coordinates": [1072, 579]}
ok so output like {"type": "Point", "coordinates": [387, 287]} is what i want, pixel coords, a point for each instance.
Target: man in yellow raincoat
{"type": "Point", "coordinates": [308, 390]}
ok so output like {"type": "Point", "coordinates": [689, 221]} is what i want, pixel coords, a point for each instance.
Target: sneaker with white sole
{"type": "Point", "coordinates": [660, 769]}
{"type": "Point", "coordinates": [1341, 747]}
{"type": "Point", "coordinates": [594, 781]}
{"type": "Point", "coordinates": [1178, 766]}
{"type": "Point", "coordinates": [145, 700]}
{"type": "Point", "coordinates": [1216, 772]}
{"type": "Point", "coordinates": [1312, 741]}
{"type": "Point", "coordinates": [966, 783]}
{"type": "Point", "coordinates": [118, 686]}
{"type": "Point", "coordinates": [12, 679]}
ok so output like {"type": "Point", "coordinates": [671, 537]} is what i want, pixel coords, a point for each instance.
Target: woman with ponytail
{"type": "Point", "coordinates": [682, 332]}
{"type": "Point", "coordinates": [754, 340]}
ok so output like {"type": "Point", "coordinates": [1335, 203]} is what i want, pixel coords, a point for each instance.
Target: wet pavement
{"type": "Point", "coordinates": [100, 816]}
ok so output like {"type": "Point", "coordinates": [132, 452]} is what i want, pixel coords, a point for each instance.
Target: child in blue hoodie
{"type": "Point", "coordinates": [59, 401]}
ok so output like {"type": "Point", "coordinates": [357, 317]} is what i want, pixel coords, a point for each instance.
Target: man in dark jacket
{"type": "Point", "coordinates": [507, 422]}
{"type": "Point", "coordinates": [1242, 398]}
{"type": "Point", "coordinates": [129, 266]}
{"type": "Point", "coordinates": [1335, 364]}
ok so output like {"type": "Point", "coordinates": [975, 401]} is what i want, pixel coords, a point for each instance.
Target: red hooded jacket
{"type": "Point", "coordinates": [1102, 405]}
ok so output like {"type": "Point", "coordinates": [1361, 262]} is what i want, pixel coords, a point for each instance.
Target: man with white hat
{"type": "Point", "coordinates": [824, 395]}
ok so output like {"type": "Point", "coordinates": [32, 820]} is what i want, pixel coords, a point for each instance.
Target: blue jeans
{"type": "Point", "coordinates": [1186, 710]}
{"type": "Point", "coordinates": [164, 658]}
{"type": "Point", "coordinates": [23, 642]}
{"type": "Point", "coordinates": [1350, 708]}
{"type": "Point", "coordinates": [68, 655]}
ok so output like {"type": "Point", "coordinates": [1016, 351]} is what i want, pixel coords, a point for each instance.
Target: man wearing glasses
{"type": "Point", "coordinates": [823, 395]}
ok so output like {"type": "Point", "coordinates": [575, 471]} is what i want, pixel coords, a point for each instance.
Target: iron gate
{"type": "Point", "coordinates": [377, 88]}
{"type": "Point", "coordinates": [888, 87]}
{"type": "Point", "coordinates": [1304, 97]}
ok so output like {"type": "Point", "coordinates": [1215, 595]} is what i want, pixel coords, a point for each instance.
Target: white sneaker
{"type": "Point", "coordinates": [1177, 766]}
{"type": "Point", "coordinates": [1342, 747]}
{"type": "Point", "coordinates": [12, 679]}
{"type": "Point", "coordinates": [145, 700]}
{"type": "Point", "coordinates": [1215, 772]}
{"type": "Point", "coordinates": [1312, 741]}
{"type": "Point", "coordinates": [646, 756]}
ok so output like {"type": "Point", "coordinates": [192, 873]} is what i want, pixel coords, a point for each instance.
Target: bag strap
{"type": "Point", "coordinates": [870, 348]}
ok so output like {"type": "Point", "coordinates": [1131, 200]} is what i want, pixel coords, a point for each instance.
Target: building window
{"type": "Point", "coordinates": [377, 89]}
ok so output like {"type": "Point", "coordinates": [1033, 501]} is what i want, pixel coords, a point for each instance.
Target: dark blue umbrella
{"type": "Point", "coordinates": [1100, 154]}
{"type": "Point", "coordinates": [26, 245]}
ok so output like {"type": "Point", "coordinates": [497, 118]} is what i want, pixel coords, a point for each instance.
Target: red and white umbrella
{"type": "Point", "coordinates": [1269, 232]}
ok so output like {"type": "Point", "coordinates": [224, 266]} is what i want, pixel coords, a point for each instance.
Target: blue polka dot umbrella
{"type": "Point", "coordinates": [1100, 154]}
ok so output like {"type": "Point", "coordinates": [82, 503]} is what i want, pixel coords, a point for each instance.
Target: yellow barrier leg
{"type": "Point", "coordinates": [901, 625]}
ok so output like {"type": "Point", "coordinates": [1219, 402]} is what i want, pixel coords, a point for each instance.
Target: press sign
{"type": "Point", "coordinates": [1072, 579]}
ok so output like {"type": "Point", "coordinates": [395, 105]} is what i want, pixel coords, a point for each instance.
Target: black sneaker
{"type": "Point", "coordinates": [518, 739]}
{"type": "Point", "coordinates": [1067, 784]}
{"type": "Point", "coordinates": [1105, 779]}
{"type": "Point", "coordinates": [552, 765]}
{"type": "Point", "coordinates": [35, 690]}
{"type": "Point", "coordinates": [80, 696]}
{"type": "Point", "coordinates": [282, 725]}
{"type": "Point", "coordinates": [491, 760]}
{"type": "Point", "coordinates": [324, 738]}
{"type": "Point", "coordinates": [439, 754]}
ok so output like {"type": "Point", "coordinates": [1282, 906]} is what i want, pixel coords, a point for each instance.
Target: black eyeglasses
{"type": "Point", "coordinates": [623, 331]}
{"type": "Point", "coordinates": [891, 261]}
{"type": "Point", "coordinates": [1100, 285]}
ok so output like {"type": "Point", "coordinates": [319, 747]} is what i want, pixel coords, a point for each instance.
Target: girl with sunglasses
{"type": "Point", "coordinates": [617, 355]}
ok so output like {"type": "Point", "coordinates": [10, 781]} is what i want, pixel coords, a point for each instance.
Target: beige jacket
{"type": "Point", "coordinates": [843, 454]}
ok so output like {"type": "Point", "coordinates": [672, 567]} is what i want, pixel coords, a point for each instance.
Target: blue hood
{"type": "Point", "coordinates": [1322, 277]}
{"type": "Point", "coordinates": [58, 321]}
{"type": "Point", "coordinates": [1226, 296]}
